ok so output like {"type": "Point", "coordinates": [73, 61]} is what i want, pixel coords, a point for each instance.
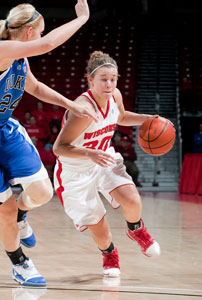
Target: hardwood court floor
{"type": "Point", "coordinates": [72, 264]}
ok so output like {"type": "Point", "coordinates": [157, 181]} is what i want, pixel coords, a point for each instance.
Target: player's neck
{"type": "Point", "coordinates": [100, 101]}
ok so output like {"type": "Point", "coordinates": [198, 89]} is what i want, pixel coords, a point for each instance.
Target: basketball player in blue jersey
{"type": "Point", "coordinates": [87, 166]}
{"type": "Point", "coordinates": [20, 37]}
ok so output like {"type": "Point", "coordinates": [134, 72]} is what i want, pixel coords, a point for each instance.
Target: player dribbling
{"type": "Point", "coordinates": [87, 165]}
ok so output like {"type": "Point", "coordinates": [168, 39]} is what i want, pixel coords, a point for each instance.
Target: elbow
{"type": "Point", "coordinates": [48, 46]}
{"type": "Point", "coordinates": [51, 45]}
{"type": "Point", "coordinates": [60, 149]}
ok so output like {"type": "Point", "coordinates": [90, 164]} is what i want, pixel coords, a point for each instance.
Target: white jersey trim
{"type": "Point", "coordinates": [4, 73]}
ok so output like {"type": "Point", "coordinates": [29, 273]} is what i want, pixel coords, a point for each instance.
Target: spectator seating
{"type": "Point", "coordinates": [190, 73]}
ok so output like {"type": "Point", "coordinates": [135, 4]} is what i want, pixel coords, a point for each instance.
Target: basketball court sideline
{"type": "Point", "coordinates": [72, 265]}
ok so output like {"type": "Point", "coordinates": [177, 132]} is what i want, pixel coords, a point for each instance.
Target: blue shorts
{"type": "Point", "coordinates": [20, 162]}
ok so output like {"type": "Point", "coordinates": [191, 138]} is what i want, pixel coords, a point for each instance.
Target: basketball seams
{"type": "Point", "coordinates": [149, 135]}
{"type": "Point", "coordinates": [163, 142]}
{"type": "Point", "coordinates": [165, 126]}
{"type": "Point", "coordinates": [148, 141]}
{"type": "Point", "coordinates": [161, 145]}
{"type": "Point", "coordinates": [148, 132]}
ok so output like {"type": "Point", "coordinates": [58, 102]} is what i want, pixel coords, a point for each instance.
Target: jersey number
{"type": "Point", "coordinates": [102, 146]}
{"type": "Point", "coordinates": [7, 100]}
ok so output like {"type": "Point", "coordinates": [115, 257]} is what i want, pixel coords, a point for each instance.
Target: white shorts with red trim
{"type": "Point", "coordinates": [79, 190]}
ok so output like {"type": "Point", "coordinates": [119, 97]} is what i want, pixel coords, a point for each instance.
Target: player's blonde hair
{"type": "Point", "coordinates": [97, 60]}
{"type": "Point", "coordinates": [18, 17]}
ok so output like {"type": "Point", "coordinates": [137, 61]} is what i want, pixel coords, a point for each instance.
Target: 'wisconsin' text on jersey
{"type": "Point", "coordinates": [109, 128]}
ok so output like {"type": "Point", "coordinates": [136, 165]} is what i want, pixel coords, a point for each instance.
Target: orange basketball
{"type": "Point", "coordinates": [156, 136]}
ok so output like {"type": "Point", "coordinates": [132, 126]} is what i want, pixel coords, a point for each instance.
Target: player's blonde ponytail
{"type": "Point", "coordinates": [18, 17]}
{"type": "Point", "coordinates": [3, 30]}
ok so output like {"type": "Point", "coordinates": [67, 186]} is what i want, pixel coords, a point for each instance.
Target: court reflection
{"type": "Point", "coordinates": [23, 293]}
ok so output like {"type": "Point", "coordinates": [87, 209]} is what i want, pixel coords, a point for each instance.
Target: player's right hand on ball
{"type": "Point", "coordinates": [101, 158]}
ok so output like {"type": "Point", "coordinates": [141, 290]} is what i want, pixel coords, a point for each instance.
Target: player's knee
{"type": "Point", "coordinates": [44, 194]}
{"type": "Point", "coordinates": [133, 201]}
{"type": "Point", "coordinates": [38, 194]}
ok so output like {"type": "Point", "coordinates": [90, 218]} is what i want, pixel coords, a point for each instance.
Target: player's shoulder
{"type": "Point", "coordinates": [84, 100]}
{"type": "Point", "coordinates": [117, 95]}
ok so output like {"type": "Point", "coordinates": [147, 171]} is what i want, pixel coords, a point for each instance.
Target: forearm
{"type": "Point", "coordinates": [133, 119]}
{"type": "Point", "coordinates": [48, 95]}
{"type": "Point", "coordinates": [71, 151]}
{"type": "Point", "coordinates": [61, 34]}
{"type": "Point", "coordinates": [14, 49]}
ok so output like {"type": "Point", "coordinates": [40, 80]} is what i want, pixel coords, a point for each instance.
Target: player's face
{"type": "Point", "coordinates": [104, 82]}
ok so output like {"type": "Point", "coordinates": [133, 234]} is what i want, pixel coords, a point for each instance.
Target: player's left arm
{"type": "Point", "coordinates": [128, 118]}
{"type": "Point", "coordinates": [44, 93]}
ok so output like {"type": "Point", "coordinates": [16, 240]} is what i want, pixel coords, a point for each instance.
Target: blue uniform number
{"type": "Point", "coordinates": [7, 102]}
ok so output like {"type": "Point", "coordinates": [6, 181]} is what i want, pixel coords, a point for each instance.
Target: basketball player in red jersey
{"type": "Point", "coordinates": [87, 165]}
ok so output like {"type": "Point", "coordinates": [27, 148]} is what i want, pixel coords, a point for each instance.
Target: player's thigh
{"type": "Point", "coordinates": [78, 194]}
{"type": "Point", "coordinates": [116, 184]}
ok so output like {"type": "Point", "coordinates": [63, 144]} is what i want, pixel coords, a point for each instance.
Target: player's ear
{"type": "Point", "coordinates": [29, 30]}
{"type": "Point", "coordinates": [90, 79]}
